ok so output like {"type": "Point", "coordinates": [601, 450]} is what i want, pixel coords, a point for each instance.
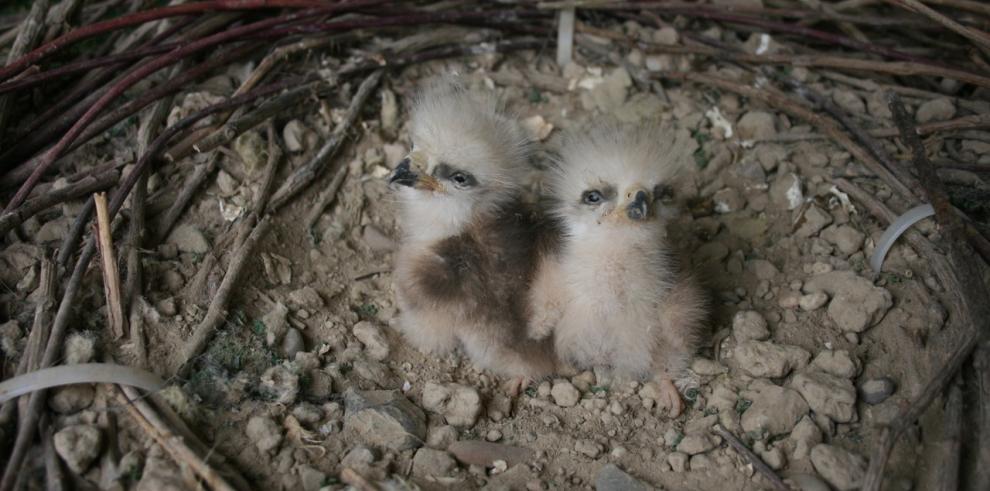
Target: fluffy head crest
{"type": "Point", "coordinates": [617, 155]}
{"type": "Point", "coordinates": [469, 131]}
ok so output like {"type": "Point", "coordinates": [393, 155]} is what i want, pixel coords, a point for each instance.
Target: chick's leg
{"type": "Point", "coordinates": [681, 313]}
{"type": "Point", "coordinates": [546, 300]}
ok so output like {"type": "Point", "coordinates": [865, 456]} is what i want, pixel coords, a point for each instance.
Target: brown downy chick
{"type": "Point", "coordinates": [470, 245]}
{"type": "Point", "coordinates": [615, 296]}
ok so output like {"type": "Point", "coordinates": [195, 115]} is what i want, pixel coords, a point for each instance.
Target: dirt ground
{"type": "Point", "coordinates": [810, 349]}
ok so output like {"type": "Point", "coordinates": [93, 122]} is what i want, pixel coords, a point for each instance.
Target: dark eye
{"type": "Point", "coordinates": [459, 178]}
{"type": "Point", "coordinates": [592, 197]}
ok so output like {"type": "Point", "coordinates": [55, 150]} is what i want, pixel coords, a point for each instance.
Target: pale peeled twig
{"type": "Point", "coordinates": [111, 276]}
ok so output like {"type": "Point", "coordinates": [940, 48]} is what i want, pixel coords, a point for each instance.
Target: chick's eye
{"type": "Point", "coordinates": [592, 197]}
{"type": "Point", "coordinates": [459, 178]}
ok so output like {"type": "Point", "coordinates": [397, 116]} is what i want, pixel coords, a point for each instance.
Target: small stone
{"type": "Point", "coordinates": [827, 394]}
{"type": "Point", "coordinates": [78, 446]}
{"type": "Point", "coordinates": [276, 323]}
{"type": "Point", "coordinates": [849, 100]}
{"type": "Point", "coordinates": [804, 437]}
{"type": "Point", "coordinates": [188, 238]}
{"type": "Point", "coordinates": [311, 478]}
{"type": "Point", "coordinates": [588, 447]}
{"type": "Point", "coordinates": [665, 35]}
{"type": "Point", "coordinates": [79, 349]}
{"type": "Point", "coordinates": [360, 457]}
{"type": "Point", "coordinates": [252, 150]}
{"type": "Point", "coordinates": [728, 200]}
{"type": "Point", "coordinates": [700, 461]}
{"type": "Point", "coordinates": [281, 383]}
{"type": "Point", "coordinates": [384, 418]}
{"type": "Point", "coordinates": [432, 463]}
{"type": "Point", "coordinates": [856, 303]}
{"type": "Point", "coordinates": [877, 390]}
{"type": "Point", "coordinates": [10, 334]}
{"type": "Point", "coordinates": [768, 360]}
{"type": "Point", "coordinates": [814, 219]}
{"type": "Point", "coordinates": [374, 341]}
{"type": "Point", "coordinates": [706, 367]}
{"type": "Point", "coordinates": [711, 252]}
{"type": "Point", "coordinates": [537, 127]}
{"type": "Point", "coordinates": [763, 269]}
{"type": "Point", "coordinates": [806, 482]}
{"type": "Point", "coordinates": [71, 399]}
{"type": "Point", "coordinates": [441, 436]}
{"type": "Point", "coordinates": [307, 297]}
{"type": "Point", "coordinates": [847, 239]}
{"type": "Point", "coordinates": [756, 125]}
{"type": "Point", "coordinates": [53, 230]}
{"type": "Point", "coordinates": [939, 109]}
{"type": "Point", "coordinates": [785, 191]}
{"type": "Point", "coordinates": [265, 433]}
{"type": "Point", "coordinates": [460, 405]}
{"type": "Point", "coordinates": [774, 458]}
{"type": "Point", "coordinates": [612, 478]}
{"type": "Point", "coordinates": [813, 301]}
{"type": "Point", "coordinates": [227, 184]}
{"type": "Point", "coordinates": [493, 435]}
{"type": "Point", "coordinates": [695, 444]}
{"type": "Point", "coordinates": [307, 414]}
{"type": "Point", "coordinates": [748, 325]}
{"type": "Point", "coordinates": [584, 380]}
{"type": "Point", "coordinates": [292, 343]}
{"type": "Point", "coordinates": [293, 134]}
{"type": "Point", "coordinates": [775, 410]}
{"type": "Point", "coordinates": [843, 470]}
{"type": "Point", "coordinates": [564, 393]}
{"type": "Point", "coordinates": [678, 461]}
{"type": "Point", "coordinates": [839, 363]}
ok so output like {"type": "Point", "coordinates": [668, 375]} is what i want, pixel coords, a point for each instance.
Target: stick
{"type": "Point", "coordinates": [84, 187]}
{"type": "Point", "coordinates": [189, 189]}
{"type": "Point", "coordinates": [271, 168]}
{"type": "Point", "coordinates": [215, 314]}
{"type": "Point", "coordinates": [111, 277]}
{"type": "Point", "coordinates": [978, 38]}
{"type": "Point", "coordinates": [748, 454]}
{"type": "Point", "coordinates": [326, 197]}
{"type": "Point", "coordinates": [968, 302]}
{"type": "Point", "coordinates": [29, 34]}
{"type": "Point", "coordinates": [148, 420]}
{"type": "Point", "coordinates": [952, 439]}
{"type": "Point", "coordinates": [311, 170]}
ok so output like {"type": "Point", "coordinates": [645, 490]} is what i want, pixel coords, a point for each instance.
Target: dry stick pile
{"type": "Point", "coordinates": [934, 40]}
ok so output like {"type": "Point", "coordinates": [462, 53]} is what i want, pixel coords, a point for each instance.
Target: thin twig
{"type": "Point", "coordinates": [311, 170]}
{"type": "Point", "coordinates": [748, 454]}
{"type": "Point", "coordinates": [31, 31]}
{"type": "Point", "coordinates": [326, 197]}
{"type": "Point", "coordinates": [979, 38]}
{"type": "Point", "coordinates": [218, 307]}
{"type": "Point", "coordinates": [151, 423]}
{"type": "Point", "coordinates": [84, 187]}
{"type": "Point", "coordinates": [271, 169]}
{"type": "Point", "coordinates": [189, 189]}
{"type": "Point", "coordinates": [111, 276]}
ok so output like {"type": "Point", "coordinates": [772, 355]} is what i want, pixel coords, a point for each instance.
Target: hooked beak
{"type": "Point", "coordinates": [639, 208]}
{"type": "Point", "coordinates": [403, 174]}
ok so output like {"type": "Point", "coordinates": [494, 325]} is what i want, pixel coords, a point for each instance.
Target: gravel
{"type": "Point", "coordinates": [460, 405]}
{"type": "Point", "coordinates": [79, 446]}
{"type": "Point", "coordinates": [842, 469]}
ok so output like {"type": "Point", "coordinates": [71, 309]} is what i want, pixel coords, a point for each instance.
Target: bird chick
{"type": "Point", "coordinates": [614, 296]}
{"type": "Point", "coordinates": [470, 244]}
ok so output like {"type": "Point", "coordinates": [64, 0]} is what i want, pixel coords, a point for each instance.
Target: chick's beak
{"type": "Point", "coordinates": [639, 207]}
{"type": "Point", "coordinates": [403, 174]}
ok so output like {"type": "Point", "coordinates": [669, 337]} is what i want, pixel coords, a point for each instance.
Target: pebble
{"type": "Point", "coordinates": [856, 303]}
{"type": "Point", "coordinates": [493, 435]}
{"type": "Point", "coordinates": [265, 433]}
{"type": "Point", "coordinates": [827, 394]}
{"type": "Point", "coordinates": [371, 336]}
{"type": "Point", "coordinates": [79, 446]}
{"type": "Point", "coordinates": [775, 410]}
{"type": "Point", "coordinates": [459, 404]}
{"type": "Point", "coordinates": [813, 301]}
{"type": "Point", "coordinates": [764, 359]}
{"type": "Point", "coordinates": [839, 363]}
{"type": "Point", "coordinates": [847, 239]}
{"type": "Point", "coordinates": [188, 238]}
{"type": "Point", "coordinates": [749, 325]}
{"type": "Point", "coordinates": [252, 149]}
{"type": "Point", "coordinates": [584, 380]}
{"type": "Point", "coordinates": [292, 343]}
{"type": "Point", "coordinates": [756, 125]}
{"type": "Point", "coordinates": [813, 220]}
{"type": "Point", "coordinates": [384, 418]}
{"type": "Point", "coordinates": [706, 367]}
{"type": "Point", "coordinates": [877, 390]}
{"type": "Point", "coordinates": [728, 200]}
{"type": "Point", "coordinates": [805, 435]}
{"type": "Point", "coordinates": [695, 444]}
{"type": "Point", "coordinates": [441, 436]}
{"type": "Point", "coordinates": [840, 468]}
{"type": "Point", "coordinates": [358, 458]}
{"type": "Point", "coordinates": [785, 191]}
{"type": "Point", "coordinates": [763, 269]}
{"type": "Point", "coordinates": [432, 463]}
{"type": "Point", "coordinates": [79, 348]}
{"type": "Point", "coordinates": [678, 461]}
{"type": "Point", "coordinates": [311, 478]}
{"type": "Point", "coordinates": [939, 109]}
{"type": "Point", "coordinates": [589, 448]}
{"type": "Point", "coordinates": [565, 394]}
{"type": "Point", "coordinates": [71, 399]}
{"type": "Point", "coordinates": [806, 482]}
{"type": "Point", "coordinates": [611, 478]}
{"type": "Point", "coordinates": [849, 100]}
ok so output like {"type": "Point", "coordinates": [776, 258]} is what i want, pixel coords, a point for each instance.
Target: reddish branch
{"type": "Point", "coordinates": [172, 11]}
